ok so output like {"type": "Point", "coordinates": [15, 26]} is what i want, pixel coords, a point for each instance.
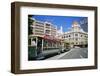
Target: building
{"type": "Point", "coordinates": [42, 28]}
{"type": "Point", "coordinates": [43, 35]}
{"type": "Point", "coordinates": [76, 36]}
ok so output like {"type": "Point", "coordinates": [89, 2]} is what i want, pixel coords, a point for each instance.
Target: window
{"type": "Point", "coordinates": [72, 43]}
{"type": "Point", "coordinates": [66, 36]}
{"type": "Point", "coordinates": [47, 24]}
{"type": "Point", "coordinates": [47, 31]}
{"type": "Point", "coordinates": [85, 36]}
{"type": "Point", "coordinates": [76, 39]}
{"type": "Point", "coordinates": [76, 34]}
{"type": "Point", "coordinates": [81, 42]}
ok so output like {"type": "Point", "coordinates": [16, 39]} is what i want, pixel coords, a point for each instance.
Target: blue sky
{"type": "Point", "coordinates": [64, 21]}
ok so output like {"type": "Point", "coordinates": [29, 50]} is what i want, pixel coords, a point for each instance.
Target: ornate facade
{"type": "Point", "coordinates": [76, 36]}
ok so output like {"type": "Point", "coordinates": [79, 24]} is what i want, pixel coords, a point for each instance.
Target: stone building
{"type": "Point", "coordinates": [76, 36]}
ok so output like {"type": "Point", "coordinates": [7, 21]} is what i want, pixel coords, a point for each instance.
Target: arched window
{"type": "Point", "coordinates": [81, 35]}
{"type": "Point", "coordinates": [69, 36]}
{"type": "Point", "coordinates": [76, 34]}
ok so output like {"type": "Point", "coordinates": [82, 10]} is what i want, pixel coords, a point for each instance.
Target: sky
{"type": "Point", "coordinates": [64, 21]}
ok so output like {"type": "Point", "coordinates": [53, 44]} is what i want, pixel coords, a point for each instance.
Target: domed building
{"type": "Point", "coordinates": [76, 36]}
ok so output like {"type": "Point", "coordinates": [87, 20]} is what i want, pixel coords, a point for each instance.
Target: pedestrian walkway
{"type": "Point", "coordinates": [58, 56]}
{"type": "Point", "coordinates": [50, 51]}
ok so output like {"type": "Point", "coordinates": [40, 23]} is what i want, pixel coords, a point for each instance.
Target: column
{"type": "Point", "coordinates": [42, 44]}
{"type": "Point", "coordinates": [36, 42]}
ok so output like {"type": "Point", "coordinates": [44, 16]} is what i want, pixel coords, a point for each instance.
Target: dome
{"type": "Point", "coordinates": [75, 24]}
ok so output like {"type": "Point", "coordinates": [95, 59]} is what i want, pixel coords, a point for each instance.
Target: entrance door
{"type": "Point", "coordinates": [39, 45]}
